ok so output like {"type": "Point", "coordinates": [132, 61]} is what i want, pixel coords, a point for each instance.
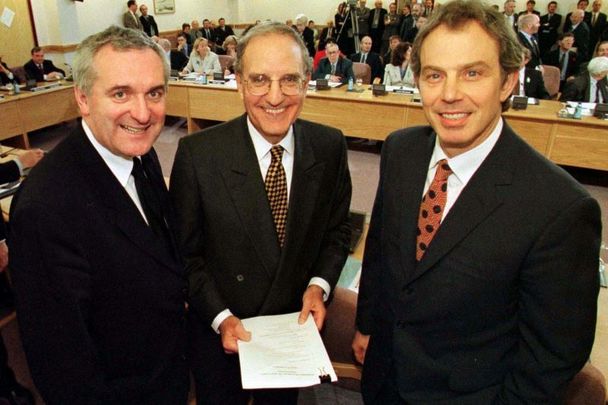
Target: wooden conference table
{"type": "Point", "coordinates": [579, 143]}
{"type": "Point", "coordinates": [29, 111]}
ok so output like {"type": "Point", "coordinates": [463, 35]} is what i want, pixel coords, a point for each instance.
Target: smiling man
{"type": "Point", "coordinates": [479, 280]}
{"type": "Point", "coordinates": [262, 205]}
{"type": "Point", "coordinates": [100, 287]}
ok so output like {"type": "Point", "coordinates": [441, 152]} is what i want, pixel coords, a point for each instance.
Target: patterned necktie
{"type": "Point", "coordinates": [431, 208]}
{"type": "Point", "coordinates": [276, 190]}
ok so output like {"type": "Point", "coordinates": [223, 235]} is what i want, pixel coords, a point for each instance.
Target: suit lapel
{"type": "Point", "coordinates": [246, 187]}
{"type": "Point", "coordinates": [480, 197]}
{"type": "Point", "coordinates": [121, 209]}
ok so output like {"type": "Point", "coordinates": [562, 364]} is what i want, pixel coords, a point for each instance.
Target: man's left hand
{"type": "Point", "coordinates": [312, 301]}
{"type": "Point", "coordinates": [3, 256]}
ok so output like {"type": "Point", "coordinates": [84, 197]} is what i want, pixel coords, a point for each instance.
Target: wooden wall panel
{"type": "Point", "coordinates": [18, 40]}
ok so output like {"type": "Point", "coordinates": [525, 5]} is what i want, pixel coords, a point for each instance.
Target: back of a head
{"type": "Point", "coordinates": [270, 28]}
{"type": "Point", "coordinates": [120, 39]}
{"type": "Point", "coordinates": [598, 66]}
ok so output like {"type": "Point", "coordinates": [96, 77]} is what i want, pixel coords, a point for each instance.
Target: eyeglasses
{"type": "Point", "coordinates": [290, 85]}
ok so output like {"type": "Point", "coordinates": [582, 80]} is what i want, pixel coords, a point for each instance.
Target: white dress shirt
{"type": "Point", "coordinates": [463, 166]}
{"type": "Point", "coordinates": [592, 90]}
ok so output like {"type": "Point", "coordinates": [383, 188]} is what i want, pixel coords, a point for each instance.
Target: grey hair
{"type": "Point", "coordinates": [120, 39]}
{"type": "Point", "coordinates": [271, 28]}
{"type": "Point", "coordinates": [598, 65]}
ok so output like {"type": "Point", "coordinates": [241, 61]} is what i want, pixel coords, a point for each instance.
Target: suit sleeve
{"type": "Point", "coordinates": [319, 73]}
{"type": "Point", "coordinates": [557, 306]}
{"type": "Point", "coordinates": [204, 296]}
{"type": "Point", "coordinates": [570, 92]}
{"type": "Point", "coordinates": [52, 282]}
{"type": "Point", "coordinates": [334, 248]}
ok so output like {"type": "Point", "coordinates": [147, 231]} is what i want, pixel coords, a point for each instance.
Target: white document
{"type": "Point", "coordinates": [283, 354]}
{"type": "Point", "coordinates": [7, 17]}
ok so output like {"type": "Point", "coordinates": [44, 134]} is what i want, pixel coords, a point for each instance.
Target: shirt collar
{"type": "Point", "coordinates": [262, 146]}
{"type": "Point", "coordinates": [118, 165]}
{"type": "Point", "coordinates": [466, 164]}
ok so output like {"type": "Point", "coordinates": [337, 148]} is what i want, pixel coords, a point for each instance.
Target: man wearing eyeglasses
{"type": "Point", "coordinates": [334, 68]}
{"type": "Point", "coordinates": [262, 206]}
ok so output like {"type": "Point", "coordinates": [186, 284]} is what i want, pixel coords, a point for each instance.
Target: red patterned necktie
{"type": "Point", "coordinates": [276, 190]}
{"type": "Point", "coordinates": [431, 208]}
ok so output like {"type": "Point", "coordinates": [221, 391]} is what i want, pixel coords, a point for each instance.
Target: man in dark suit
{"type": "Point", "coordinates": [376, 25]}
{"type": "Point", "coordinates": [41, 69]}
{"type": "Point", "coordinates": [483, 292]}
{"type": "Point", "coordinates": [371, 58]}
{"type": "Point", "coordinates": [582, 36]}
{"type": "Point", "coordinates": [251, 250]}
{"type": "Point", "coordinates": [334, 67]}
{"type": "Point", "coordinates": [530, 4]}
{"type": "Point", "coordinates": [10, 390]}
{"type": "Point", "coordinates": [329, 32]}
{"type": "Point", "coordinates": [222, 31]}
{"type": "Point", "coordinates": [99, 284]}
{"type": "Point", "coordinates": [530, 82]}
{"type": "Point", "coordinates": [528, 26]}
{"type": "Point", "coordinates": [177, 59]}
{"type": "Point", "coordinates": [580, 5]}
{"type": "Point", "coordinates": [549, 25]}
{"type": "Point", "coordinates": [207, 31]}
{"type": "Point", "coordinates": [597, 23]}
{"type": "Point", "coordinates": [148, 22]}
{"type": "Point", "coordinates": [590, 85]}
{"type": "Point", "coordinates": [564, 58]}
{"type": "Point", "coordinates": [308, 36]}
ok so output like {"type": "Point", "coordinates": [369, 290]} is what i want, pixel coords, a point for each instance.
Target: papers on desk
{"type": "Point", "coordinates": [313, 83]}
{"type": "Point", "coordinates": [283, 354]}
{"type": "Point", "coordinates": [587, 108]}
{"type": "Point", "coordinates": [402, 89]}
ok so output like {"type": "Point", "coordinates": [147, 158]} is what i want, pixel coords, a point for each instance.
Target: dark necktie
{"type": "Point", "coordinates": [150, 197]}
{"type": "Point", "coordinates": [276, 190]}
{"type": "Point", "coordinates": [597, 92]}
{"type": "Point", "coordinates": [431, 208]}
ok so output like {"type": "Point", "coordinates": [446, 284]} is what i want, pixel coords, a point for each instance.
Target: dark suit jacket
{"type": "Point", "coordinates": [325, 34]}
{"type": "Point", "coordinates": [100, 298]}
{"type": "Point", "coordinates": [535, 58]}
{"type": "Point", "coordinates": [221, 34]}
{"type": "Point", "coordinates": [308, 36]}
{"type": "Point", "coordinates": [407, 23]}
{"type": "Point", "coordinates": [344, 69]}
{"type": "Point", "coordinates": [552, 58]}
{"type": "Point", "coordinates": [582, 39]}
{"type": "Point", "coordinates": [534, 85]}
{"type": "Point", "coordinates": [376, 33]}
{"type": "Point", "coordinates": [578, 89]}
{"type": "Point", "coordinates": [9, 172]}
{"type": "Point", "coordinates": [149, 23]}
{"type": "Point", "coordinates": [597, 29]}
{"type": "Point", "coordinates": [502, 307]}
{"type": "Point", "coordinates": [568, 23]}
{"type": "Point", "coordinates": [4, 77]}
{"type": "Point", "coordinates": [178, 60]}
{"type": "Point", "coordinates": [226, 229]}
{"type": "Point", "coordinates": [374, 62]}
{"type": "Point", "coordinates": [32, 72]}
{"type": "Point", "coordinates": [548, 31]}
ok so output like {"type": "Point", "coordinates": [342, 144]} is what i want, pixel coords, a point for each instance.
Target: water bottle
{"type": "Point", "coordinates": [16, 86]}
{"type": "Point", "coordinates": [578, 111]}
{"type": "Point", "coordinates": [350, 83]}
{"type": "Point", "coordinates": [204, 78]}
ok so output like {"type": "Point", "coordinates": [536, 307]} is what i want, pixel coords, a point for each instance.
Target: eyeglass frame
{"type": "Point", "coordinates": [299, 86]}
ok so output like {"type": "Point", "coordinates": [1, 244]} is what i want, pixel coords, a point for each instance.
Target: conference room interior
{"type": "Point", "coordinates": [364, 158]}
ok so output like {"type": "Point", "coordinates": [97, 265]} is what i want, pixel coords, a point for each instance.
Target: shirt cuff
{"type": "Point", "coordinates": [219, 318]}
{"type": "Point", "coordinates": [318, 281]}
{"type": "Point", "coordinates": [19, 165]}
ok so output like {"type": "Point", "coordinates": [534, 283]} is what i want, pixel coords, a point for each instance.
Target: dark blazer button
{"type": "Point", "coordinates": [240, 278]}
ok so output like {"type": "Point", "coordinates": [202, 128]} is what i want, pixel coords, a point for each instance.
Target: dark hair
{"type": "Point", "coordinates": [35, 49]}
{"type": "Point", "coordinates": [582, 1]}
{"type": "Point", "coordinates": [552, 2]}
{"type": "Point", "coordinates": [270, 28]}
{"type": "Point", "coordinates": [565, 35]}
{"type": "Point", "coordinates": [531, 2]}
{"type": "Point", "coordinates": [130, 3]}
{"type": "Point", "coordinates": [455, 15]}
{"type": "Point", "coordinates": [398, 54]}
{"type": "Point", "coordinates": [184, 25]}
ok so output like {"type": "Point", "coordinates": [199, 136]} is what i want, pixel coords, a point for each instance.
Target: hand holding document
{"type": "Point", "coordinates": [283, 353]}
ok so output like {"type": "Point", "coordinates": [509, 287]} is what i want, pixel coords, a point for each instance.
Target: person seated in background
{"type": "Point", "coordinates": [229, 46]}
{"type": "Point", "coordinates": [601, 49]}
{"type": "Point", "coordinates": [186, 30]}
{"type": "Point", "coordinates": [590, 85]}
{"type": "Point", "coordinates": [222, 32]}
{"type": "Point", "coordinates": [41, 69]}
{"type": "Point", "coordinates": [564, 58]}
{"type": "Point", "coordinates": [399, 71]}
{"type": "Point", "coordinates": [195, 31]}
{"type": "Point", "coordinates": [202, 60]}
{"type": "Point", "coordinates": [334, 67]}
{"type": "Point", "coordinates": [530, 82]}
{"type": "Point", "coordinates": [365, 55]}
{"type": "Point", "coordinates": [176, 58]}
{"type": "Point", "coordinates": [393, 42]}
{"type": "Point", "coordinates": [182, 44]}
{"type": "Point", "coordinates": [6, 76]}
